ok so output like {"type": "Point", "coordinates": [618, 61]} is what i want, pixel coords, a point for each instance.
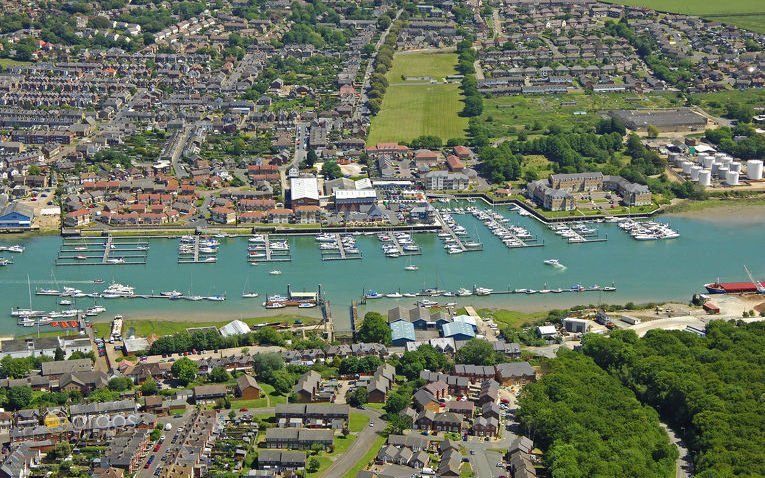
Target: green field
{"type": "Point", "coordinates": [715, 102]}
{"type": "Point", "coordinates": [412, 109]}
{"type": "Point", "coordinates": [744, 13]}
{"type": "Point", "coordinates": [504, 114]}
{"type": "Point", "coordinates": [144, 328]}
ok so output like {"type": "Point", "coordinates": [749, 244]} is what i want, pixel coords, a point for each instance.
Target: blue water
{"type": "Point", "coordinates": [641, 271]}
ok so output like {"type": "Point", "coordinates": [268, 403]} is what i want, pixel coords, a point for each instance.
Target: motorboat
{"type": "Point", "coordinates": [250, 295]}
{"type": "Point", "coordinates": [216, 298]}
{"type": "Point", "coordinates": [274, 305]}
{"type": "Point", "coordinates": [209, 259]}
{"type": "Point", "coordinates": [411, 267]}
{"type": "Point", "coordinates": [119, 290]}
{"type": "Point", "coordinates": [142, 247]}
{"type": "Point", "coordinates": [462, 292]}
{"type": "Point", "coordinates": [426, 303]}
{"type": "Point", "coordinates": [115, 260]}
{"type": "Point", "coordinates": [553, 262]}
{"type": "Point", "coordinates": [409, 294]}
{"type": "Point", "coordinates": [171, 293]}
{"type": "Point", "coordinates": [373, 294]}
{"type": "Point", "coordinates": [81, 258]}
{"type": "Point", "coordinates": [65, 302]}
{"type": "Point", "coordinates": [306, 305]}
{"type": "Point", "coordinates": [193, 297]}
{"type": "Point", "coordinates": [16, 248]}
{"type": "Point", "coordinates": [483, 291]}
{"type": "Point", "coordinates": [394, 295]}
{"type": "Point", "coordinates": [275, 272]}
{"type": "Point", "coordinates": [95, 310]}
{"type": "Point", "coordinates": [47, 292]}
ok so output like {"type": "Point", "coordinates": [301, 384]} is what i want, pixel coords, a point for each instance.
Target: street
{"type": "Point", "coordinates": [356, 452]}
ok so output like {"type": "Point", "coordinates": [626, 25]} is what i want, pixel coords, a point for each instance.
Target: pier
{"type": "Point", "coordinates": [455, 238]}
{"type": "Point", "coordinates": [265, 252]}
{"type": "Point", "coordinates": [102, 251]}
{"type": "Point", "coordinates": [577, 234]}
{"type": "Point", "coordinates": [341, 253]}
{"type": "Point", "coordinates": [193, 255]}
{"type": "Point", "coordinates": [512, 237]}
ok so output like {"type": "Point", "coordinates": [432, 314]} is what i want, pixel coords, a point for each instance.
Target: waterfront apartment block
{"type": "Point", "coordinates": [559, 192]}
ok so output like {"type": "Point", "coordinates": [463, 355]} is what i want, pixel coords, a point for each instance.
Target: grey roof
{"type": "Point", "coordinates": [401, 330]}
{"type": "Point", "coordinates": [67, 366]}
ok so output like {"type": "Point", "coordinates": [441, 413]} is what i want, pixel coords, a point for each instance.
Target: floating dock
{"type": "Point", "coordinates": [103, 251]}
{"type": "Point", "coordinates": [266, 253]}
{"type": "Point", "coordinates": [341, 253]}
{"type": "Point", "coordinates": [195, 255]}
{"type": "Point", "coordinates": [455, 238]}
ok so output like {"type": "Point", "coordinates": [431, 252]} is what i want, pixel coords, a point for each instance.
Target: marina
{"type": "Point", "coordinates": [336, 247]}
{"type": "Point", "coordinates": [103, 251]}
{"type": "Point", "coordinates": [267, 248]}
{"type": "Point", "coordinates": [510, 235]}
{"type": "Point", "coordinates": [398, 244]}
{"type": "Point", "coordinates": [640, 270]}
{"type": "Point", "coordinates": [578, 233]}
{"type": "Point", "coordinates": [197, 250]}
{"type": "Point", "coordinates": [452, 235]}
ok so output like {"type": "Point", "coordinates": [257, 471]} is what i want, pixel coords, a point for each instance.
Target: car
{"type": "Point", "coordinates": [500, 464]}
{"type": "Point", "coordinates": [156, 447]}
{"type": "Point", "coordinates": [162, 438]}
{"type": "Point", "coordinates": [472, 452]}
{"type": "Point", "coordinates": [371, 424]}
{"type": "Point", "coordinates": [147, 465]}
{"type": "Point", "coordinates": [242, 409]}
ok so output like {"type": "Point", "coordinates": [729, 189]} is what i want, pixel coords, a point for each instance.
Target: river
{"type": "Point", "coordinates": [642, 271]}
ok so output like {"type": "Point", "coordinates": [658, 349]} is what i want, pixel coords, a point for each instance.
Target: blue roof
{"type": "Point", "coordinates": [451, 329]}
{"type": "Point", "coordinates": [402, 330]}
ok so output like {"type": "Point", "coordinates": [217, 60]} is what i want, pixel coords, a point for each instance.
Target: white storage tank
{"type": "Point", "coordinates": [720, 155]}
{"type": "Point", "coordinates": [735, 167]}
{"type": "Point", "coordinates": [754, 169]}
{"type": "Point", "coordinates": [695, 173]}
{"type": "Point", "coordinates": [686, 165]}
{"type": "Point", "coordinates": [722, 172]}
{"type": "Point", "coordinates": [726, 162]}
{"type": "Point", "coordinates": [715, 167]}
{"type": "Point", "coordinates": [705, 178]}
{"type": "Point", "coordinates": [731, 178]}
{"type": "Point", "coordinates": [673, 158]}
{"type": "Point", "coordinates": [707, 161]}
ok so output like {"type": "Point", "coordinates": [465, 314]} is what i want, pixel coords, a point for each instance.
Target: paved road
{"type": "Point", "coordinates": [484, 461]}
{"type": "Point", "coordinates": [356, 452]}
{"type": "Point", "coordinates": [684, 464]}
{"type": "Point", "coordinates": [165, 447]}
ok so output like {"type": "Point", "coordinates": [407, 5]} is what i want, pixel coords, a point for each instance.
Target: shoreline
{"type": "Point", "coordinates": [739, 212]}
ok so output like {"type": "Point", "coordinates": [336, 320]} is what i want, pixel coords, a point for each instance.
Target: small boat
{"type": "Point", "coordinates": [95, 310]}
{"type": "Point", "coordinates": [411, 268]}
{"type": "Point", "coordinates": [193, 297]}
{"type": "Point", "coordinates": [274, 305]}
{"type": "Point", "coordinates": [98, 281]}
{"type": "Point", "coordinates": [553, 262]}
{"type": "Point", "coordinates": [306, 305]}
{"type": "Point", "coordinates": [209, 259]}
{"type": "Point", "coordinates": [47, 292]}
{"type": "Point", "coordinates": [250, 295]}
{"type": "Point", "coordinates": [409, 294]}
{"type": "Point", "coordinates": [116, 260]}
{"type": "Point", "coordinates": [216, 298]}
{"type": "Point", "coordinates": [426, 303]}
{"type": "Point", "coordinates": [394, 295]}
{"type": "Point", "coordinates": [464, 292]}
{"type": "Point", "coordinates": [483, 291]}
{"type": "Point", "coordinates": [373, 294]}
{"type": "Point", "coordinates": [171, 293]}
{"type": "Point", "coordinates": [81, 258]}
{"type": "Point", "coordinates": [65, 302]}
{"type": "Point", "coordinates": [16, 248]}
{"type": "Point", "coordinates": [81, 248]}
{"type": "Point", "coordinates": [275, 272]}
{"type": "Point", "coordinates": [142, 247]}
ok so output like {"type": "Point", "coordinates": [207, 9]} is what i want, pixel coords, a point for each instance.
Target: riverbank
{"type": "Point", "coordinates": [744, 211]}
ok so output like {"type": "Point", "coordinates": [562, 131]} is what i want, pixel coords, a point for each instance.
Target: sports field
{"type": "Point", "coordinates": [748, 14]}
{"type": "Point", "coordinates": [415, 108]}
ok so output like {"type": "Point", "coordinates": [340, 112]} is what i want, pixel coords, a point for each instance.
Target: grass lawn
{"type": "Point", "coordinates": [512, 318]}
{"type": "Point", "coordinates": [435, 65]}
{"type": "Point", "coordinates": [357, 422]}
{"type": "Point", "coordinates": [715, 102]}
{"type": "Point", "coordinates": [368, 456]}
{"type": "Point", "coordinates": [326, 459]}
{"type": "Point", "coordinates": [502, 113]}
{"type": "Point", "coordinates": [412, 109]}
{"type": "Point", "coordinates": [268, 399]}
{"type": "Point", "coordinates": [745, 13]}
{"type": "Point", "coordinates": [145, 328]}
{"type": "Point", "coordinates": [6, 62]}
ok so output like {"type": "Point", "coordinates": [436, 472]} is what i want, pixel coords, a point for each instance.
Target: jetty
{"type": "Point", "coordinates": [455, 239]}
{"type": "Point", "coordinates": [192, 254]}
{"type": "Point", "coordinates": [264, 251]}
{"type": "Point", "coordinates": [102, 251]}
{"type": "Point", "coordinates": [342, 252]}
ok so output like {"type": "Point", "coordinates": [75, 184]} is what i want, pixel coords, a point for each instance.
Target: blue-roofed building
{"type": "Point", "coordinates": [458, 330]}
{"type": "Point", "coordinates": [402, 332]}
{"type": "Point", "coordinates": [16, 216]}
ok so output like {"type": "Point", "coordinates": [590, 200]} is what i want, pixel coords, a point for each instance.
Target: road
{"type": "Point", "coordinates": [484, 461]}
{"type": "Point", "coordinates": [684, 464]}
{"type": "Point", "coordinates": [159, 456]}
{"type": "Point", "coordinates": [356, 452]}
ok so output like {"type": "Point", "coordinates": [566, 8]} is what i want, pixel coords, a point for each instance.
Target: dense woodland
{"type": "Point", "coordinates": [712, 389]}
{"type": "Point", "coordinates": [590, 425]}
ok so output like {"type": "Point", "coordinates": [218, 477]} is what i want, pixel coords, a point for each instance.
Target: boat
{"type": "Point", "coordinates": [54, 324]}
{"type": "Point", "coordinates": [73, 323]}
{"type": "Point", "coordinates": [193, 297]}
{"type": "Point", "coordinates": [47, 292]}
{"type": "Point", "coordinates": [409, 294]}
{"type": "Point", "coordinates": [209, 259]}
{"type": "Point", "coordinates": [81, 258]}
{"type": "Point", "coordinates": [171, 293]}
{"type": "Point", "coordinates": [394, 295]}
{"type": "Point", "coordinates": [372, 294]}
{"type": "Point", "coordinates": [306, 305]}
{"type": "Point", "coordinates": [95, 310]}
{"type": "Point", "coordinates": [65, 302]}
{"type": "Point", "coordinates": [250, 295]}
{"type": "Point", "coordinates": [81, 248]}
{"type": "Point", "coordinates": [274, 305]}
{"type": "Point", "coordinates": [16, 248]}
{"type": "Point", "coordinates": [426, 303]}
{"type": "Point", "coordinates": [553, 262]}
{"type": "Point", "coordinates": [142, 247]}
{"type": "Point", "coordinates": [483, 291]}
{"type": "Point", "coordinates": [462, 292]}
{"type": "Point", "coordinates": [115, 260]}
{"type": "Point", "coordinates": [98, 281]}
{"type": "Point", "coordinates": [411, 267]}
{"type": "Point", "coordinates": [275, 272]}
{"type": "Point", "coordinates": [216, 298]}
{"type": "Point", "coordinates": [118, 290]}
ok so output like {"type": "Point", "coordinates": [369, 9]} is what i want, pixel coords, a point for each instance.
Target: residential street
{"type": "Point", "coordinates": [356, 452]}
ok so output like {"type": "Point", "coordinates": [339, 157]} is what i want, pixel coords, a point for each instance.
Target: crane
{"type": "Point", "coordinates": [757, 284]}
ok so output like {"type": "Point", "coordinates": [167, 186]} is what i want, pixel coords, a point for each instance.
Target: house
{"type": "Point", "coordinates": [438, 389]}
{"type": "Point", "coordinates": [486, 426]}
{"type": "Point", "coordinates": [464, 408]}
{"type": "Point", "coordinates": [126, 450]}
{"type": "Point", "coordinates": [458, 331]}
{"type": "Point", "coordinates": [307, 387]}
{"type": "Point", "coordinates": [491, 410]}
{"type": "Point", "coordinates": [223, 215]}
{"type": "Point", "coordinates": [247, 388]}
{"type": "Point", "coordinates": [298, 438]}
{"type": "Point", "coordinates": [515, 373]}
{"type": "Point", "coordinates": [425, 401]}
{"type": "Point", "coordinates": [281, 460]}
{"type": "Point", "coordinates": [547, 331]}
{"type": "Point", "coordinates": [381, 383]}
{"type": "Point", "coordinates": [450, 464]}
{"type": "Point", "coordinates": [18, 464]}
{"type": "Point", "coordinates": [304, 191]}
{"type": "Point", "coordinates": [208, 393]}
{"type": "Point", "coordinates": [83, 382]}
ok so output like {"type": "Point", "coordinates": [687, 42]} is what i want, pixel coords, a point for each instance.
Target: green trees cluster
{"type": "Point", "coordinates": [354, 365]}
{"type": "Point", "coordinates": [473, 100]}
{"type": "Point", "coordinates": [383, 62]}
{"type": "Point", "coordinates": [310, 26]}
{"type": "Point", "coordinates": [357, 397]}
{"type": "Point", "coordinates": [572, 152]}
{"type": "Point", "coordinates": [184, 370]}
{"type": "Point", "coordinates": [426, 142]}
{"type": "Point", "coordinates": [477, 352]}
{"type": "Point", "coordinates": [331, 170]}
{"type": "Point", "coordinates": [748, 144]}
{"type": "Point", "coordinates": [712, 389]}
{"type": "Point", "coordinates": [209, 339]}
{"type": "Point", "coordinates": [374, 329]}
{"type": "Point", "coordinates": [589, 424]}
{"type": "Point", "coordinates": [424, 358]}
{"type": "Point", "coordinates": [499, 164]}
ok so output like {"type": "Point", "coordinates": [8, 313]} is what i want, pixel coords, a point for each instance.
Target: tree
{"type": "Point", "coordinates": [399, 423]}
{"type": "Point", "coordinates": [313, 465]}
{"type": "Point", "coordinates": [282, 381]}
{"type": "Point", "coordinates": [653, 131]}
{"type": "Point", "coordinates": [311, 158]}
{"type": "Point", "coordinates": [58, 355]}
{"type": "Point", "coordinates": [476, 352]}
{"type": "Point", "coordinates": [357, 397]}
{"type": "Point", "coordinates": [331, 170]}
{"type": "Point", "coordinates": [19, 397]}
{"type": "Point", "coordinates": [395, 403]}
{"type": "Point", "coordinates": [374, 329]}
{"type": "Point", "coordinates": [120, 384]}
{"type": "Point", "coordinates": [266, 364]}
{"type": "Point", "coordinates": [149, 387]}
{"type": "Point", "coordinates": [426, 142]}
{"type": "Point", "coordinates": [184, 370]}
{"type": "Point", "coordinates": [473, 106]}
{"type": "Point", "coordinates": [34, 170]}
{"type": "Point", "coordinates": [218, 375]}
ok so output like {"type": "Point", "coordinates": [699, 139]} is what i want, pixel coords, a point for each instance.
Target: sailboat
{"type": "Point", "coordinates": [248, 294]}
{"type": "Point", "coordinates": [189, 296]}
